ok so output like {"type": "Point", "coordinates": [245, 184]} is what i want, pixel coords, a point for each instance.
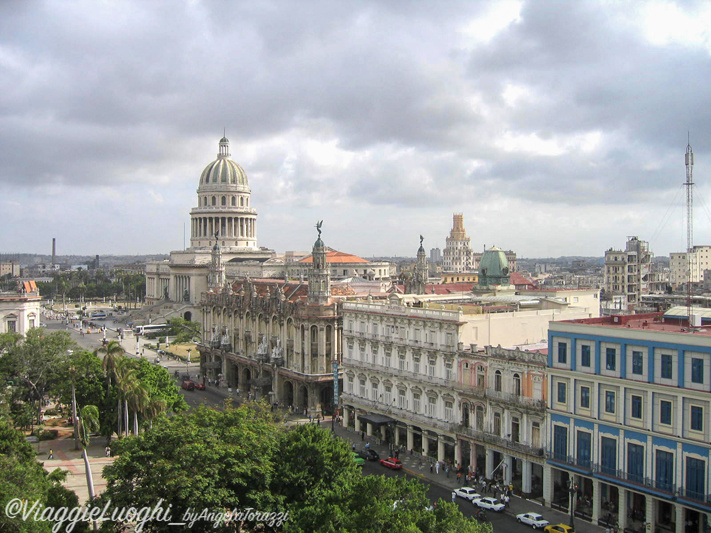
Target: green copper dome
{"type": "Point", "coordinates": [494, 268]}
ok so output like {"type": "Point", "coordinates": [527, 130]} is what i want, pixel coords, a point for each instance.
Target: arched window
{"type": "Point", "coordinates": [241, 201]}
{"type": "Point", "coordinates": [517, 384]}
{"type": "Point", "coordinates": [224, 200]}
{"type": "Point", "coordinates": [497, 381]}
{"type": "Point", "coordinates": [214, 200]}
{"type": "Point", "coordinates": [234, 201]}
{"type": "Point", "coordinates": [314, 341]}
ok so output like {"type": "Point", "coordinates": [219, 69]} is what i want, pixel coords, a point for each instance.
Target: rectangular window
{"type": "Point", "coordinates": [666, 366]}
{"type": "Point", "coordinates": [608, 455]}
{"type": "Point", "coordinates": [637, 363]}
{"type": "Point", "coordinates": [697, 370]}
{"type": "Point", "coordinates": [416, 403]}
{"type": "Point", "coordinates": [448, 411]}
{"type": "Point", "coordinates": [401, 362]}
{"type": "Point", "coordinates": [611, 359]}
{"type": "Point", "coordinates": [350, 385]}
{"type": "Point", "coordinates": [665, 412]}
{"type": "Point", "coordinates": [560, 443]}
{"type": "Point", "coordinates": [584, 448]}
{"type": "Point", "coordinates": [431, 368]}
{"type": "Point", "coordinates": [416, 365]}
{"type": "Point", "coordinates": [401, 399]}
{"type": "Point", "coordinates": [585, 356]}
{"type": "Point", "coordinates": [448, 372]}
{"type": "Point", "coordinates": [12, 326]}
{"type": "Point", "coordinates": [697, 418]}
{"type": "Point", "coordinates": [361, 386]}
{"type": "Point", "coordinates": [562, 353]}
{"type": "Point", "coordinates": [610, 402]}
{"type": "Point", "coordinates": [664, 470]}
{"type": "Point", "coordinates": [585, 397]}
{"type": "Point", "coordinates": [562, 392]}
{"type": "Point", "coordinates": [388, 360]}
{"type": "Point", "coordinates": [431, 406]}
{"type": "Point", "coordinates": [695, 478]}
{"type": "Point", "coordinates": [636, 411]}
{"type": "Point", "coordinates": [635, 462]}
{"type": "Point", "coordinates": [388, 395]}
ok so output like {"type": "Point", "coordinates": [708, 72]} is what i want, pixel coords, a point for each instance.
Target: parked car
{"type": "Point", "coordinates": [489, 503]}
{"type": "Point", "coordinates": [534, 520]}
{"type": "Point", "coordinates": [188, 385]}
{"type": "Point", "coordinates": [200, 385]}
{"type": "Point", "coordinates": [357, 459]}
{"type": "Point", "coordinates": [559, 528]}
{"type": "Point", "coordinates": [391, 462]}
{"type": "Point", "coordinates": [467, 493]}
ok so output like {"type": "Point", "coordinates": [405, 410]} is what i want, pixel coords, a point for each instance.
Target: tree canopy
{"type": "Point", "coordinates": [245, 458]}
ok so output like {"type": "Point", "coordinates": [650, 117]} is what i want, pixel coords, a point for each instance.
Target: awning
{"type": "Point", "coordinates": [376, 420]}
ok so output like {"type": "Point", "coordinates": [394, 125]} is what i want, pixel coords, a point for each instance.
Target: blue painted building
{"type": "Point", "coordinates": [629, 422]}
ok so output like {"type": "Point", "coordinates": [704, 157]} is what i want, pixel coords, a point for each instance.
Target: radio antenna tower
{"type": "Point", "coordinates": [689, 161]}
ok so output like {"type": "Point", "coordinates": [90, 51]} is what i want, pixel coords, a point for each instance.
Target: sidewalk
{"type": "Point", "coordinates": [414, 465]}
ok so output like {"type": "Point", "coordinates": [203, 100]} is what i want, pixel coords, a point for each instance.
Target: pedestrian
{"type": "Point", "coordinates": [506, 500]}
{"type": "Point", "coordinates": [362, 436]}
{"type": "Point", "coordinates": [431, 467]}
{"type": "Point", "coordinates": [51, 454]}
{"type": "Point", "coordinates": [108, 451]}
{"type": "Point", "coordinates": [459, 478]}
{"type": "Point", "coordinates": [454, 496]}
{"type": "Point", "coordinates": [437, 468]}
{"type": "Point", "coordinates": [367, 446]}
{"type": "Point", "coordinates": [354, 446]}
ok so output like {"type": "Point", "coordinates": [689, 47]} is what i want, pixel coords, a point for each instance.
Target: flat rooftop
{"type": "Point", "coordinates": [649, 322]}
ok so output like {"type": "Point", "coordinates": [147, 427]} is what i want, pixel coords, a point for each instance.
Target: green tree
{"type": "Point", "coordinates": [24, 478]}
{"type": "Point", "coordinates": [205, 459]}
{"type": "Point", "coordinates": [183, 330]}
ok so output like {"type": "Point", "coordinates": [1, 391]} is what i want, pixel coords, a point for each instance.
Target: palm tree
{"type": "Point", "coordinates": [88, 422]}
{"type": "Point", "coordinates": [138, 398]}
{"type": "Point", "coordinates": [155, 407]}
{"type": "Point", "coordinates": [125, 376]}
{"type": "Point", "coordinates": [113, 359]}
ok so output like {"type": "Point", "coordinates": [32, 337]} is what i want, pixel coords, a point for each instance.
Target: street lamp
{"type": "Point", "coordinates": [572, 490]}
{"type": "Point", "coordinates": [187, 363]}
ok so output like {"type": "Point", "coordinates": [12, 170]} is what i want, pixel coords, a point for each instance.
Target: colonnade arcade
{"type": "Point", "coordinates": [226, 226]}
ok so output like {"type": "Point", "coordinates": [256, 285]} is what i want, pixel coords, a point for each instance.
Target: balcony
{"type": "Point", "coordinates": [490, 438]}
{"type": "Point", "coordinates": [393, 372]}
{"type": "Point", "coordinates": [516, 399]}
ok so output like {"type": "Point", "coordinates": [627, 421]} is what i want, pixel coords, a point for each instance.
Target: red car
{"type": "Point", "coordinates": [391, 462]}
{"type": "Point", "coordinates": [200, 385]}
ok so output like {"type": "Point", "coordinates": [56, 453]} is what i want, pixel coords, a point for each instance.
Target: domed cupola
{"type": "Point", "coordinates": [224, 170]}
{"type": "Point", "coordinates": [224, 205]}
{"type": "Point", "coordinates": [494, 268]}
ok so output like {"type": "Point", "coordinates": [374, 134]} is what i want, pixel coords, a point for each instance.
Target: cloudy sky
{"type": "Point", "coordinates": [555, 127]}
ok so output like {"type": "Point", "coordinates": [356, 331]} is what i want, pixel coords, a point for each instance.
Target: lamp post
{"type": "Point", "coordinates": [187, 363]}
{"type": "Point", "coordinates": [572, 489]}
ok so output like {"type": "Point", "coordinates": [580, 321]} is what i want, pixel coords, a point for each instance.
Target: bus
{"type": "Point", "coordinates": [98, 315]}
{"type": "Point", "coordinates": [151, 328]}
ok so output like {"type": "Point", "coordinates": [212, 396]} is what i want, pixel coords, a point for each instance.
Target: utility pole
{"type": "Point", "coordinates": [689, 184]}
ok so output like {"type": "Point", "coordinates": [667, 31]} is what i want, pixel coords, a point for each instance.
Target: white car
{"type": "Point", "coordinates": [467, 493]}
{"type": "Point", "coordinates": [489, 503]}
{"type": "Point", "coordinates": [534, 520]}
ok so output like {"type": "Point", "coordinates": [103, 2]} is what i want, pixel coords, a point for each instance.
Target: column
{"type": "Point", "coordinates": [357, 421]}
{"type": "Point", "coordinates": [472, 455]}
{"type": "Point", "coordinates": [526, 474]}
{"type": "Point", "coordinates": [547, 485]}
{"type": "Point", "coordinates": [508, 469]}
{"type": "Point", "coordinates": [369, 429]}
{"type": "Point", "coordinates": [680, 523]}
{"type": "Point", "coordinates": [383, 435]}
{"type": "Point", "coordinates": [489, 463]}
{"type": "Point", "coordinates": [457, 452]}
{"type": "Point", "coordinates": [440, 448]}
{"type": "Point", "coordinates": [397, 436]}
{"type": "Point", "coordinates": [346, 416]}
{"type": "Point", "coordinates": [622, 509]}
{"type": "Point", "coordinates": [596, 501]}
{"type": "Point", "coordinates": [410, 438]}
{"type": "Point", "coordinates": [425, 444]}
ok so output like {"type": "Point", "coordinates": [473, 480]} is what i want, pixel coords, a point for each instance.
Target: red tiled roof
{"type": "Point", "coordinates": [519, 279]}
{"type": "Point", "coordinates": [336, 257]}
